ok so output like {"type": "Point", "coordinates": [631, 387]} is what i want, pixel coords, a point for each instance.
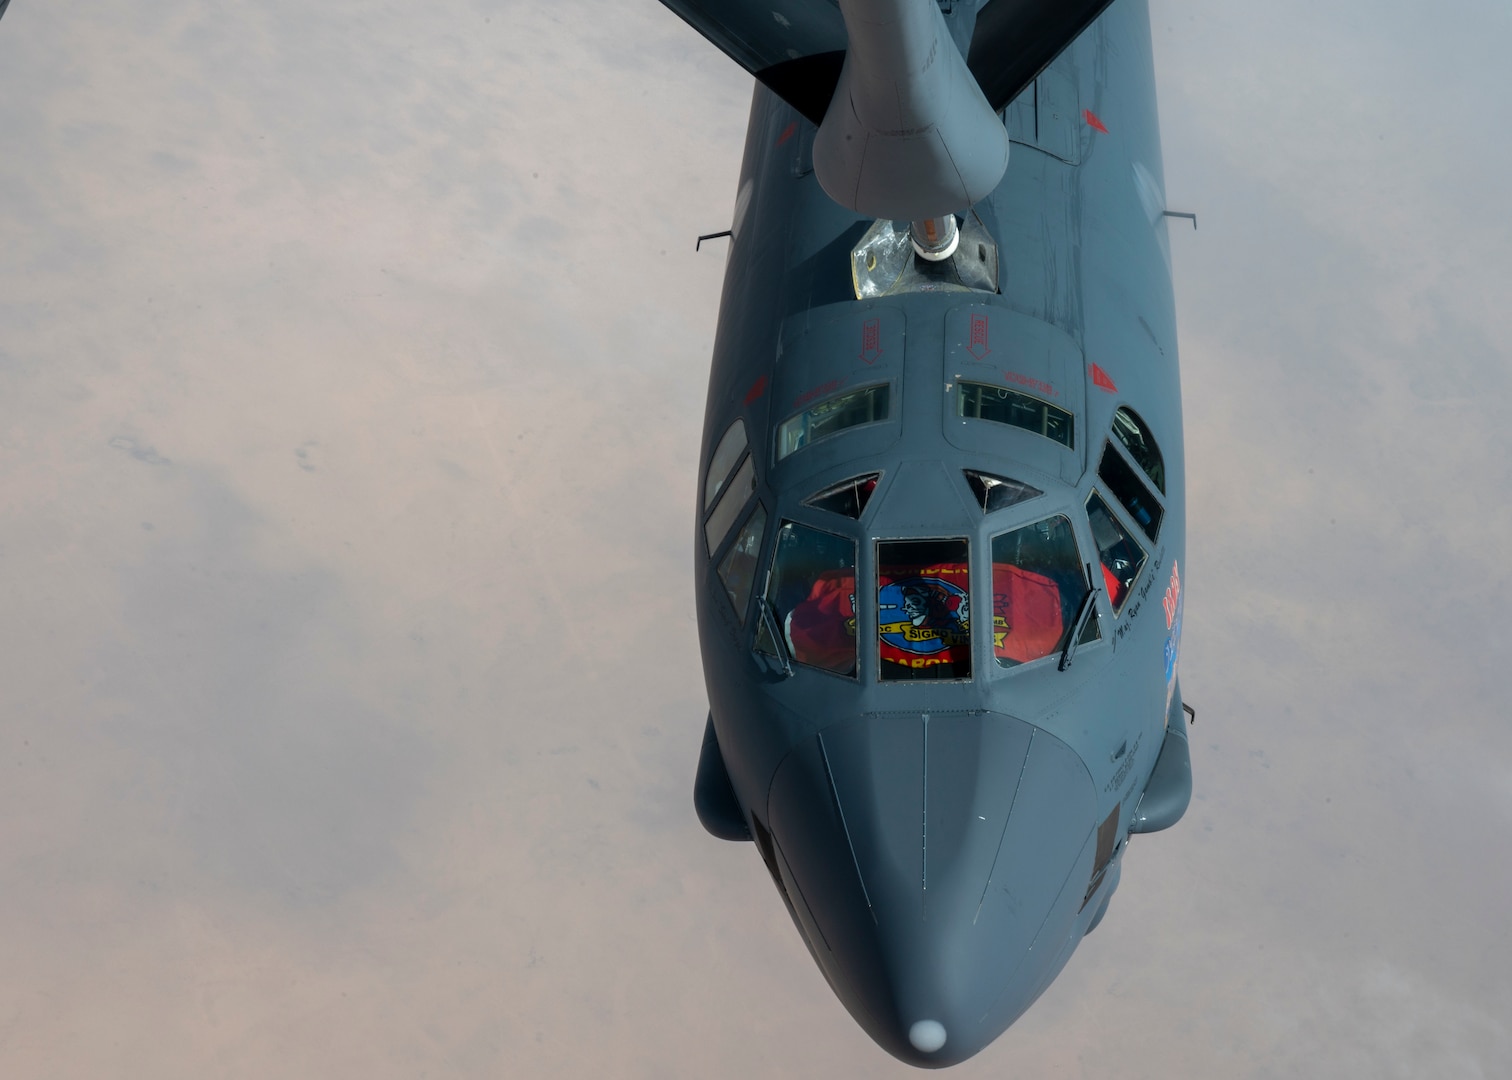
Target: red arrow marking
{"type": "Point", "coordinates": [1093, 122]}
{"type": "Point", "coordinates": [978, 346]}
{"type": "Point", "coordinates": [1101, 381]}
{"type": "Point", "coordinates": [871, 340]}
{"type": "Point", "coordinates": [787, 133]}
{"type": "Point", "coordinates": [757, 389]}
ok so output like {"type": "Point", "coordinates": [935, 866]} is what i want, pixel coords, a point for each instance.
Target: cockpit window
{"type": "Point", "coordinates": [999, 492]}
{"type": "Point", "coordinates": [1121, 556]}
{"type": "Point", "coordinates": [849, 497]}
{"type": "Point", "coordinates": [730, 503]}
{"type": "Point", "coordinates": [1038, 585]}
{"type": "Point", "coordinates": [738, 568]}
{"type": "Point", "coordinates": [812, 593]}
{"type": "Point", "coordinates": [1003, 406]}
{"type": "Point", "coordinates": [1135, 436]}
{"type": "Point", "coordinates": [923, 609]}
{"type": "Point", "coordinates": [1130, 490]}
{"type": "Point", "coordinates": [731, 445]}
{"type": "Point", "coordinates": [865, 406]}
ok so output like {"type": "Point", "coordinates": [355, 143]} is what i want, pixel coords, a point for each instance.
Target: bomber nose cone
{"type": "Point", "coordinates": [936, 864]}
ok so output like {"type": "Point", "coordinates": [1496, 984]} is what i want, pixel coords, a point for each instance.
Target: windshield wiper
{"type": "Point", "coordinates": [1086, 611]}
{"type": "Point", "coordinates": [773, 631]}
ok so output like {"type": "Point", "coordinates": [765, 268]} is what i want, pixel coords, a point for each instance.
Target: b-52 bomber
{"type": "Point", "coordinates": [941, 520]}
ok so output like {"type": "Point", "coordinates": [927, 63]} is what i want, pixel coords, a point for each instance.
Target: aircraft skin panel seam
{"type": "Point", "coordinates": [1018, 786]}
{"type": "Point", "coordinates": [1039, 932]}
{"type": "Point", "coordinates": [829, 777]}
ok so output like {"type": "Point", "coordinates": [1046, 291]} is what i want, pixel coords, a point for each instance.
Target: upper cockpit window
{"type": "Point", "coordinates": [923, 609]}
{"type": "Point", "coordinates": [812, 597]}
{"type": "Point", "coordinates": [738, 568]}
{"type": "Point", "coordinates": [999, 492]}
{"type": "Point", "coordinates": [1130, 491]}
{"type": "Point", "coordinates": [731, 445]}
{"type": "Point", "coordinates": [1038, 586]}
{"type": "Point", "coordinates": [1121, 556]}
{"type": "Point", "coordinates": [848, 498]}
{"type": "Point", "coordinates": [729, 504]}
{"type": "Point", "coordinates": [865, 406]}
{"type": "Point", "coordinates": [1135, 436]}
{"type": "Point", "coordinates": [1003, 406]}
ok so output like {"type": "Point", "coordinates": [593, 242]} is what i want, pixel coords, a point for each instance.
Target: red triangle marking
{"type": "Point", "coordinates": [757, 389]}
{"type": "Point", "coordinates": [787, 133]}
{"type": "Point", "coordinates": [1093, 122]}
{"type": "Point", "coordinates": [1101, 381]}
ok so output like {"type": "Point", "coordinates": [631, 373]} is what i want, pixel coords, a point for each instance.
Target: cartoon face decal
{"type": "Point", "coordinates": [923, 615]}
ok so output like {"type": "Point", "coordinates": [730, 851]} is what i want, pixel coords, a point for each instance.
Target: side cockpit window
{"type": "Point", "coordinates": [1120, 555]}
{"type": "Point", "coordinates": [725, 496]}
{"type": "Point", "coordinates": [1038, 589]}
{"type": "Point", "coordinates": [868, 405]}
{"type": "Point", "coordinates": [731, 445]}
{"type": "Point", "coordinates": [729, 504]}
{"type": "Point", "coordinates": [737, 570]}
{"type": "Point", "coordinates": [1136, 439]}
{"type": "Point", "coordinates": [1131, 492]}
{"type": "Point", "coordinates": [923, 609]}
{"type": "Point", "coordinates": [811, 599]}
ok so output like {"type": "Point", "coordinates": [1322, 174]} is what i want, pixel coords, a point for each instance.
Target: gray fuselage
{"type": "Point", "coordinates": [944, 843]}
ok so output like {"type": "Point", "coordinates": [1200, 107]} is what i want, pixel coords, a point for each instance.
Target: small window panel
{"type": "Point", "coordinates": [1135, 436]}
{"type": "Point", "coordinates": [980, 401]}
{"type": "Point", "coordinates": [1130, 491]}
{"type": "Point", "coordinates": [812, 596]}
{"type": "Point", "coordinates": [731, 445]}
{"type": "Point", "coordinates": [1121, 556]}
{"type": "Point", "coordinates": [730, 503]}
{"type": "Point", "coordinates": [923, 609]}
{"type": "Point", "coordinates": [1038, 586]}
{"type": "Point", "coordinates": [738, 568]}
{"type": "Point", "coordinates": [866, 406]}
{"type": "Point", "coordinates": [999, 492]}
{"type": "Point", "coordinates": [847, 498]}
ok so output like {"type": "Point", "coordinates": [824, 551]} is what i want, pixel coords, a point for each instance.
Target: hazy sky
{"type": "Point", "coordinates": [352, 358]}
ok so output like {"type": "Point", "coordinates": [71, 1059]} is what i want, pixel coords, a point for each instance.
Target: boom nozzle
{"type": "Point", "coordinates": [935, 239]}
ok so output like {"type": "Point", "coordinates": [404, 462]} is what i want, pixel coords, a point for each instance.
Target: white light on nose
{"type": "Point", "coordinates": [927, 1036]}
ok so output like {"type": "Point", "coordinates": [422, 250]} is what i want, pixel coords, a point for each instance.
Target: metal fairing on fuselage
{"type": "Point", "coordinates": [943, 845]}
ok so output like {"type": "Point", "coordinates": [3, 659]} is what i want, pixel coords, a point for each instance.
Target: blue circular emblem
{"type": "Point", "coordinates": [923, 614]}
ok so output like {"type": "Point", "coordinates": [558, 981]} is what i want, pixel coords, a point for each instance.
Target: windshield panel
{"type": "Point", "coordinates": [1003, 406]}
{"type": "Point", "coordinates": [738, 568]}
{"type": "Point", "coordinates": [1038, 585]}
{"type": "Point", "coordinates": [923, 610]}
{"type": "Point", "coordinates": [812, 591]}
{"type": "Point", "coordinates": [866, 406]}
{"type": "Point", "coordinates": [1135, 436]}
{"type": "Point", "coordinates": [1130, 491]}
{"type": "Point", "coordinates": [1121, 556]}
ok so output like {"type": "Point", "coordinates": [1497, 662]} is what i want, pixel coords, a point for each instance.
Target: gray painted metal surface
{"type": "Point", "coordinates": [908, 133]}
{"type": "Point", "coordinates": [943, 844]}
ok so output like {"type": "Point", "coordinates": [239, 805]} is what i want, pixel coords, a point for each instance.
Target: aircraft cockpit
{"type": "Point", "coordinates": [1047, 552]}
